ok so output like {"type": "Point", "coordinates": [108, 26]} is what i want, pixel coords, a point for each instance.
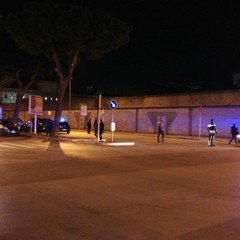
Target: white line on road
{"type": "Point", "coordinates": [12, 145]}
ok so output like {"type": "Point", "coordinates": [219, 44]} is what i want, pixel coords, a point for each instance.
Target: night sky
{"type": "Point", "coordinates": [175, 46]}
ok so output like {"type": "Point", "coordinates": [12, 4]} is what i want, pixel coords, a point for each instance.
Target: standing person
{"type": "Point", "coordinates": [48, 127]}
{"type": "Point", "coordinates": [212, 131]}
{"type": "Point", "coordinates": [234, 132]}
{"type": "Point", "coordinates": [89, 126]}
{"type": "Point", "coordinates": [95, 124]}
{"type": "Point", "coordinates": [160, 130]}
{"type": "Point", "coordinates": [101, 128]}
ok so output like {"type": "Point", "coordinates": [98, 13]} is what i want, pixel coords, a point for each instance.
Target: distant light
{"type": "Point", "coordinates": [62, 120]}
{"type": "Point", "coordinates": [56, 99]}
{"type": "Point", "coordinates": [45, 98]}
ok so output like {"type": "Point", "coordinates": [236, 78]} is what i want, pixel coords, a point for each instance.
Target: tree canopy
{"type": "Point", "coordinates": [64, 32]}
{"type": "Point", "coordinates": [46, 26]}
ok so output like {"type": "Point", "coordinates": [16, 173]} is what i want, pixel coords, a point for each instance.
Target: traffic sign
{"type": "Point", "coordinates": [113, 104]}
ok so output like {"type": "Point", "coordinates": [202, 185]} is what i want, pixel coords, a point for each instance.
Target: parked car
{"type": "Point", "coordinates": [9, 128]}
{"type": "Point", "coordinates": [41, 125]}
{"type": "Point", "coordinates": [64, 127]}
{"type": "Point", "coordinates": [19, 123]}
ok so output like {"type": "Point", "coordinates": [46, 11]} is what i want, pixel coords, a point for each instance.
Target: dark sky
{"type": "Point", "coordinates": [175, 46]}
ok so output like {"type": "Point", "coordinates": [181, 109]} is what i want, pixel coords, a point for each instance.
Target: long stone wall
{"type": "Point", "coordinates": [176, 121]}
{"type": "Point", "coordinates": [204, 99]}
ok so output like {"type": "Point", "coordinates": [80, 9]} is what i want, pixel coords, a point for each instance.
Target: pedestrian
{"type": "Point", "coordinates": [95, 124]}
{"type": "Point", "coordinates": [101, 129]}
{"type": "Point", "coordinates": [89, 126]}
{"type": "Point", "coordinates": [234, 132]}
{"type": "Point", "coordinates": [48, 127]}
{"type": "Point", "coordinates": [160, 130]}
{"type": "Point", "coordinates": [212, 131]}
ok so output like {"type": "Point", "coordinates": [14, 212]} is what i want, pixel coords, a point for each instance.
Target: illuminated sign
{"type": "Point", "coordinates": [35, 105]}
{"type": "Point", "coordinates": [113, 104]}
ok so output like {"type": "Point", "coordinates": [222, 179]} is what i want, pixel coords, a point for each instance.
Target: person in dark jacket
{"type": "Point", "coordinates": [234, 132]}
{"type": "Point", "coordinates": [95, 124]}
{"type": "Point", "coordinates": [48, 127]}
{"type": "Point", "coordinates": [89, 126]}
{"type": "Point", "coordinates": [101, 128]}
{"type": "Point", "coordinates": [160, 130]}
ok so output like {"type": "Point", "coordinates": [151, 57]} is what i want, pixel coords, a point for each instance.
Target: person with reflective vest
{"type": "Point", "coordinates": [212, 131]}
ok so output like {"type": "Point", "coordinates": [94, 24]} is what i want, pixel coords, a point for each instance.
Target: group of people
{"type": "Point", "coordinates": [212, 131]}
{"type": "Point", "coordinates": [49, 125]}
{"type": "Point", "coordinates": [211, 128]}
{"type": "Point", "coordinates": [95, 125]}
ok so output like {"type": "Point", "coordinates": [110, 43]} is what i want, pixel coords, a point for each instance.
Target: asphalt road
{"type": "Point", "coordinates": [74, 188]}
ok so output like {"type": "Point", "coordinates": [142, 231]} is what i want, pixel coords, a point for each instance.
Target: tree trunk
{"type": "Point", "coordinates": [21, 91]}
{"type": "Point", "coordinates": [18, 104]}
{"type": "Point", "coordinates": [63, 84]}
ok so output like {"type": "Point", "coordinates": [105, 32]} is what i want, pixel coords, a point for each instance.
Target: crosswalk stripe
{"type": "Point", "coordinates": [6, 146]}
{"type": "Point", "coordinates": [12, 145]}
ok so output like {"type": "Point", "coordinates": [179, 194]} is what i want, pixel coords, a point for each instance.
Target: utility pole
{"type": "Point", "coordinates": [99, 115]}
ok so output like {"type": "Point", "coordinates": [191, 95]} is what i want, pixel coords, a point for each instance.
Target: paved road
{"type": "Point", "coordinates": [76, 188]}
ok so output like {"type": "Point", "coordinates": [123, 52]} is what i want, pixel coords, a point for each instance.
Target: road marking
{"type": "Point", "coordinates": [120, 144]}
{"type": "Point", "coordinates": [6, 146]}
{"type": "Point", "coordinates": [12, 145]}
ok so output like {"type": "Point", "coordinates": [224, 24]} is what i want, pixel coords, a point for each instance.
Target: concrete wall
{"type": "Point", "coordinates": [182, 114]}
{"type": "Point", "coordinates": [204, 99]}
{"type": "Point", "coordinates": [176, 121]}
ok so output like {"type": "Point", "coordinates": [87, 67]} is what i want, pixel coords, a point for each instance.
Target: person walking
{"type": "Point", "coordinates": [234, 132]}
{"type": "Point", "coordinates": [89, 126]}
{"type": "Point", "coordinates": [160, 130]}
{"type": "Point", "coordinates": [212, 131]}
{"type": "Point", "coordinates": [101, 129]}
{"type": "Point", "coordinates": [48, 127]}
{"type": "Point", "coordinates": [95, 124]}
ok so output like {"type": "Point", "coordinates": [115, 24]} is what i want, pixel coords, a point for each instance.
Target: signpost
{"type": "Point", "coordinates": [113, 105]}
{"type": "Point", "coordinates": [35, 106]}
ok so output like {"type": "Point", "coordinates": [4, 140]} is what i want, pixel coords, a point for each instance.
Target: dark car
{"type": "Point", "coordinates": [64, 127]}
{"type": "Point", "coordinates": [41, 125]}
{"type": "Point", "coordinates": [9, 128]}
{"type": "Point", "coordinates": [19, 123]}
